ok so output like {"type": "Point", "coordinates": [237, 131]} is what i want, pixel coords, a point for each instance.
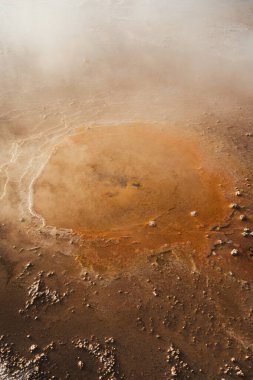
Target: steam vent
{"type": "Point", "coordinates": [126, 189]}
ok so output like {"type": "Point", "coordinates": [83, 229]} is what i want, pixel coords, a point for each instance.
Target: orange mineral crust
{"type": "Point", "coordinates": [130, 189]}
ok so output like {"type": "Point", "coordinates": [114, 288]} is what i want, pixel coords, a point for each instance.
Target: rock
{"type": "Point", "coordinates": [194, 213]}
{"type": "Point", "coordinates": [33, 348]}
{"type": "Point", "coordinates": [33, 248]}
{"type": "Point", "coordinates": [50, 274]}
{"type": "Point", "coordinates": [173, 371]}
{"type": "Point", "coordinates": [243, 217]}
{"type": "Point", "coordinates": [218, 242]}
{"type": "Point", "coordinates": [235, 252]}
{"type": "Point", "coordinates": [234, 206]}
{"type": "Point", "coordinates": [110, 340]}
{"type": "Point", "coordinates": [80, 364]}
{"type": "Point", "coordinates": [136, 184]}
{"type": "Point", "coordinates": [152, 223]}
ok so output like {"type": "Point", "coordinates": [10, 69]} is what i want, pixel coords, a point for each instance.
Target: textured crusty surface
{"type": "Point", "coordinates": [126, 212]}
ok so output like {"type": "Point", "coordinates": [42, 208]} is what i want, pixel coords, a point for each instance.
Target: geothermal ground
{"type": "Point", "coordinates": [117, 260]}
{"type": "Point", "coordinates": [126, 198]}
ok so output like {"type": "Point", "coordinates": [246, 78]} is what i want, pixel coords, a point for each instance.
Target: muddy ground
{"type": "Point", "coordinates": [126, 198]}
{"type": "Point", "coordinates": [58, 301]}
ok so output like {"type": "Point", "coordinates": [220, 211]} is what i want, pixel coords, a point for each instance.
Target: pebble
{"type": "Point", "coordinates": [234, 206]}
{"type": "Point", "coordinates": [80, 364]}
{"type": "Point", "coordinates": [194, 213]}
{"type": "Point", "coordinates": [33, 348]}
{"type": "Point", "coordinates": [235, 252]}
{"type": "Point", "coordinates": [152, 223]}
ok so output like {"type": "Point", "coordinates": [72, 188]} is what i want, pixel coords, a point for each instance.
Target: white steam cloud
{"type": "Point", "coordinates": [167, 52]}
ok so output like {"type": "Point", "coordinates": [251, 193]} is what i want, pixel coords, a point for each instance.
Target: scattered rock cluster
{"type": "Point", "coordinates": [14, 366]}
{"type": "Point", "coordinates": [178, 368]}
{"type": "Point", "coordinates": [39, 293]}
{"type": "Point", "coordinates": [232, 369]}
{"type": "Point", "coordinates": [105, 354]}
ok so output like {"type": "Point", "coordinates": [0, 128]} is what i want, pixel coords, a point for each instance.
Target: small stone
{"type": "Point", "coordinates": [173, 371]}
{"type": "Point", "coordinates": [235, 252]}
{"type": "Point", "coordinates": [243, 217]}
{"type": "Point", "coordinates": [218, 242]}
{"type": "Point", "coordinates": [238, 193]}
{"type": "Point", "coordinates": [234, 206]}
{"type": "Point", "coordinates": [50, 274]}
{"type": "Point", "coordinates": [240, 373]}
{"type": "Point", "coordinates": [110, 340]}
{"type": "Point", "coordinates": [152, 223]}
{"type": "Point", "coordinates": [33, 348]}
{"type": "Point", "coordinates": [194, 213]}
{"type": "Point", "coordinates": [80, 364]}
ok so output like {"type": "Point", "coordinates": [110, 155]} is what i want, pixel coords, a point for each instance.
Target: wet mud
{"type": "Point", "coordinates": [130, 299]}
{"type": "Point", "coordinates": [126, 199]}
{"type": "Point", "coordinates": [129, 189]}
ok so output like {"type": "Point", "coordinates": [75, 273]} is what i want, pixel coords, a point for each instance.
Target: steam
{"type": "Point", "coordinates": [170, 49]}
{"type": "Point", "coordinates": [70, 63]}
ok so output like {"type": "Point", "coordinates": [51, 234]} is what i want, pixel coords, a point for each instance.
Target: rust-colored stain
{"type": "Point", "coordinates": [108, 183]}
